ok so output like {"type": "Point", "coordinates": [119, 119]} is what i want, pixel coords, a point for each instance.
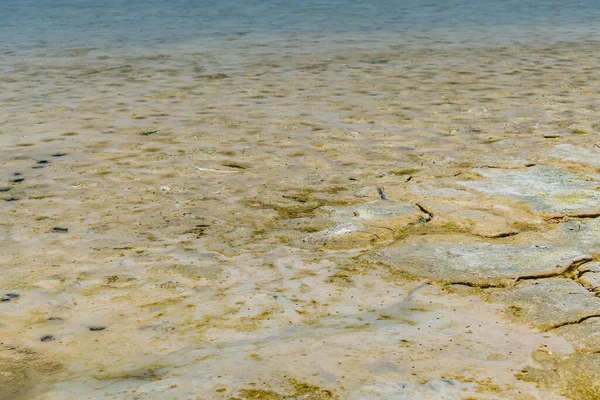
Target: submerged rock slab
{"type": "Point", "coordinates": [585, 336]}
{"type": "Point", "coordinates": [478, 264]}
{"type": "Point", "coordinates": [545, 189]}
{"type": "Point", "coordinates": [569, 152]}
{"type": "Point", "coordinates": [364, 225]}
{"type": "Point", "coordinates": [475, 222]}
{"type": "Point", "coordinates": [481, 223]}
{"type": "Point", "coordinates": [590, 276]}
{"type": "Point", "coordinates": [584, 234]}
{"type": "Point", "coordinates": [549, 303]}
{"type": "Point", "coordinates": [576, 376]}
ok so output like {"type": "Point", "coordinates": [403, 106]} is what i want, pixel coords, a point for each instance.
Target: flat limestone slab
{"type": "Point", "coordinates": [545, 189]}
{"type": "Point", "coordinates": [581, 233]}
{"type": "Point", "coordinates": [476, 222]}
{"type": "Point", "coordinates": [481, 223]}
{"type": "Point", "coordinates": [549, 303]}
{"type": "Point", "coordinates": [585, 336]}
{"type": "Point", "coordinates": [364, 225]}
{"type": "Point", "coordinates": [478, 264]}
{"type": "Point", "coordinates": [590, 276]}
{"type": "Point", "coordinates": [569, 152]}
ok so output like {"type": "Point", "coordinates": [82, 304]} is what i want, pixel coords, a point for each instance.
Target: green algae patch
{"type": "Point", "coordinates": [406, 171]}
{"type": "Point", "coordinates": [256, 394]}
{"type": "Point", "coordinates": [299, 390]}
{"type": "Point", "coordinates": [152, 373]}
{"type": "Point", "coordinates": [299, 203]}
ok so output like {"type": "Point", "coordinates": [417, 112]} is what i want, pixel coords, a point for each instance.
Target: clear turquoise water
{"type": "Point", "coordinates": [53, 25]}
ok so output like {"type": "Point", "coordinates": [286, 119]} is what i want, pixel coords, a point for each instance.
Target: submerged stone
{"type": "Point", "coordinates": [585, 336]}
{"type": "Point", "coordinates": [569, 152]}
{"type": "Point", "coordinates": [576, 376]}
{"type": "Point", "coordinates": [457, 218]}
{"type": "Point", "coordinates": [477, 264]}
{"type": "Point", "coordinates": [96, 328]}
{"type": "Point", "coordinates": [549, 303]}
{"type": "Point", "coordinates": [481, 223]}
{"type": "Point", "coordinates": [544, 189]}
{"type": "Point", "coordinates": [583, 234]}
{"type": "Point", "coordinates": [590, 276]}
{"type": "Point", "coordinates": [47, 338]}
{"type": "Point", "coordinates": [364, 225]}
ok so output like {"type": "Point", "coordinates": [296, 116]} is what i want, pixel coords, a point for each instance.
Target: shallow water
{"type": "Point", "coordinates": [169, 171]}
{"type": "Point", "coordinates": [117, 25]}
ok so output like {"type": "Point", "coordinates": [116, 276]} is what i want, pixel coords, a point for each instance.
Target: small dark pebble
{"type": "Point", "coordinates": [43, 162]}
{"type": "Point", "coordinates": [47, 338]}
{"type": "Point", "coordinates": [16, 173]}
{"type": "Point", "coordinates": [4, 189]}
{"type": "Point", "coordinates": [59, 154]}
{"type": "Point", "coordinates": [382, 194]}
{"type": "Point", "coordinates": [96, 328]}
{"type": "Point", "coordinates": [8, 297]}
{"type": "Point", "coordinates": [54, 319]}
{"type": "Point", "coordinates": [37, 167]}
{"type": "Point", "coordinates": [17, 180]}
{"type": "Point", "coordinates": [59, 229]}
{"type": "Point", "coordinates": [11, 199]}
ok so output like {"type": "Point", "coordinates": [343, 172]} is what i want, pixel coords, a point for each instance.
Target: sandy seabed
{"type": "Point", "coordinates": [207, 224]}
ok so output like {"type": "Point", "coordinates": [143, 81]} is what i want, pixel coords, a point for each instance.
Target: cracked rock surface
{"type": "Point", "coordinates": [478, 264]}
{"type": "Point", "coordinates": [549, 303]}
{"type": "Point", "coordinates": [547, 190]}
{"type": "Point", "coordinates": [237, 220]}
{"type": "Point", "coordinates": [363, 226]}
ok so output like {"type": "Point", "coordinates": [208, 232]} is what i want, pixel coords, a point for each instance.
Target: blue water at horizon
{"type": "Point", "coordinates": [48, 25]}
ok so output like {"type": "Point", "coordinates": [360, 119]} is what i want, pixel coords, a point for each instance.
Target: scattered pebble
{"type": "Point", "coordinates": [4, 189]}
{"type": "Point", "coordinates": [10, 296]}
{"type": "Point", "coordinates": [17, 180]}
{"type": "Point", "coordinates": [59, 154]}
{"type": "Point", "coordinates": [42, 162]}
{"type": "Point", "coordinates": [47, 338]}
{"type": "Point", "coordinates": [11, 199]}
{"type": "Point", "coordinates": [59, 229]}
{"type": "Point", "coordinates": [96, 328]}
{"type": "Point", "coordinates": [382, 194]}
